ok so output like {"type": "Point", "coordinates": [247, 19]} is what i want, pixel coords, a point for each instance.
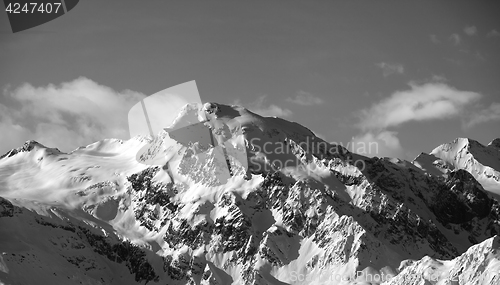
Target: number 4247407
{"type": "Point", "coordinates": [15, 8]}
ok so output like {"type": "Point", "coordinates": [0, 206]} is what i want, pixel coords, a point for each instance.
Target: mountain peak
{"type": "Point", "coordinates": [495, 143]}
{"type": "Point", "coordinates": [457, 145]}
{"type": "Point", "coordinates": [468, 154]}
{"type": "Point", "coordinates": [30, 144]}
{"type": "Point", "coordinates": [26, 147]}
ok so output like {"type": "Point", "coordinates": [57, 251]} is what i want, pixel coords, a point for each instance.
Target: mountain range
{"type": "Point", "coordinates": [295, 210]}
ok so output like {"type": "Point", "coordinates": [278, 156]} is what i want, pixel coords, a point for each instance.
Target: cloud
{"type": "Point", "coordinates": [470, 30]}
{"type": "Point", "coordinates": [391, 68]}
{"type": "Point", "coordinates": [259, 107]}
{"type": "Point", "coordinates": [434, 100]}
{"type": "Point", "coordinates": [434, 39]}
{"type": "Point", "coordinates": [492, 113]}
{"type": "Point", "coordinates": [65, 116]}
{"type": "Point", "coordinates": [493, 34]}
{"type": "Point", "coordinates": [381, 144]}
{"type": "Point", "coordinates": [305, 99]}
{"type": "Point", "coordinates": [455, 39]}
{"type": "Point", "coordinates": [429, 101]}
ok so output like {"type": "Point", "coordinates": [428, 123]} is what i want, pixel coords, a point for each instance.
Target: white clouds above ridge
{"type": "Point", "coordinates": [421, 102]}
{"type": "Point", "coordinates": [66, 116]}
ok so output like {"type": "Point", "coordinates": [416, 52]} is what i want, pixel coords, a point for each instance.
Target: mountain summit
{"type": "Point", "coordinates": [495, 144]}
{"type": "Point", "coordinates": [300, 211]}
{"type": "Point", "coordinates": [483, 162]}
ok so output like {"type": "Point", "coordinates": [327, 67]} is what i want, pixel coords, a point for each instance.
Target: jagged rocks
{"type": "Point", "coordinates": [27, 146]}
{"type": "Point", "coordinates": [479, 265]}
{"type": "Point", "coordinates": [6, 208]}
{"type": "Point", "coordinates": [461, 199]}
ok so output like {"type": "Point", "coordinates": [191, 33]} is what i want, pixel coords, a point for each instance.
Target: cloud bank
{"type": "Point", "coordinates": [65, 116]}
{"type": "Point", "coordinates": [429, 101]}
{"type": "Point", "coordinates": [387, 144]}
{"type": "Point", "coordinates": [424, 102]}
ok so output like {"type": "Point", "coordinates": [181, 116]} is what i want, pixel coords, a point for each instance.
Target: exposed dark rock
{"type": "Point", "coordinates": [6, 208]}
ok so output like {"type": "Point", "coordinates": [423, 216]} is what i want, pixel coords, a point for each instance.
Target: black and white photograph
{"type": "Point", "coordinates": [347, 142]}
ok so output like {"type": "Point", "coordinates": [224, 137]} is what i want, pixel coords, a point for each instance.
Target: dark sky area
{"type": "Point", "coordinates": [408, 75]}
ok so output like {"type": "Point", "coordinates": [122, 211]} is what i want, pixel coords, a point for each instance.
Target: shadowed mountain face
{"type": "Point", "coordinates": [301, 211]}
{"type": "Point", "coordinates": [495, 144]}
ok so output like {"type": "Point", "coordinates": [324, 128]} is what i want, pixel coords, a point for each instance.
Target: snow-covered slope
{"type": "Point", "coordinates": [483, 162]}
{"type": "Point", "coordinates": [296, 210]}
{"type": "Point", "coordinates": [479, 265]}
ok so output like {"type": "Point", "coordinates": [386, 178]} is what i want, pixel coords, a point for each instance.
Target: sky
{"type": "Point", "coordinates": [406, 75]}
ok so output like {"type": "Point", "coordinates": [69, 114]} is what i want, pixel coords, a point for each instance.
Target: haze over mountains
{"type": "Point", "coordinates": [303, 212]}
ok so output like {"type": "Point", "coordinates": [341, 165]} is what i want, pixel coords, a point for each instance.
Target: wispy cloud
{"type": "Point", "coordinates": [470, 30]}
{"type": "Point", "coordinates": [65, 116]}
{"type": "Point", "coordinates": [381, 144]}
{"type": "Point", "coordinates": [422, 102]}
{"type": "Point", "coordinates": [305, 99]}
{"type": "Point", "coordinates": [455, 39]}
{"type": "Point", "coordinates": [391, 68]}
{"type": "Point", "coordinates": [429, 101]}
{"type": "Point", "coordinates": [492, 113]}
{"type": "Point", "coordinates": [493, 34]}
{"type": "Point", "coordinates": [434, 39]}
{"type": "Point", "coordinates": [259, 106]}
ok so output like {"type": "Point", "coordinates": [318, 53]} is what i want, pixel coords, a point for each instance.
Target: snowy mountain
{"type": "Point", "coordinates": [294, 210]}
{"type": "Point", "coordinates": [483, 162]}
{"type": "Point", "coordinates": [478, 265]}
